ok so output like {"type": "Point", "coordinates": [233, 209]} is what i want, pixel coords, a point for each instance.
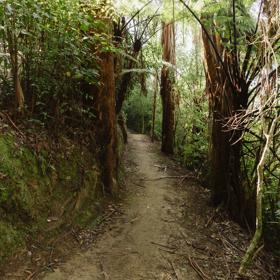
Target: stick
{"type": "Point", "coordinates": [30, 276]}
{"type": "Point", "coordinates": [105, 274]}
{"type": "Point", "coordinates": [204, 250]}
{"type": "Point", "coordinates": [161, 167]}
{"type": "Point", "coordinates": [210, 220]}
{"type": "Point", "coordinates": [163, 245]}
{"type": "Point", "coordinates": [198, 270]}
{"type": "Point", "coordinates": [12, 123]}
{"type": "Point", "coordinates": [174, 269]}
{"type": "Point", "coordinates": [172, 177]}
{"type": "Point", "coordinates": [139, 185]}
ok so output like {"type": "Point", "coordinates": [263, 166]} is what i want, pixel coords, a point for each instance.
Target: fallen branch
{"type": "Point", "coordinates": [197, 269]}
{"type": "Point", "coordinates": [31, 275]}
{"type": "Point", "coordinates": [173, 268]}
{"type": "Point", "coordinates": [139, 185]}
{"type": "Point", "coordinates": [161, 167]}
{"type": "Point", "coordinates": [105, 274]}
{"type": "Point", "coordinates": [163, 245]}
{"type": "Point", "coordinates": [170, 251]}
{"type": "Point", "coordinates": [173, 177]}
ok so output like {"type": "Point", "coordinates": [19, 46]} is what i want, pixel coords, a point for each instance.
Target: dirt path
{"type": "Point", "coordinates": [167, 231]}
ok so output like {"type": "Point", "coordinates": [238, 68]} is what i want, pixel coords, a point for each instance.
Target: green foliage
{"type": "Point", "coordinates": [56, 44]}
{"type": "Point", "coordinates": [191, 136]}
{"type": "Point", "coordinates": [138, 110]}
{"type": "Point", "coordinates": [16, 176]}
{"type": "Point", "coordinates": [192, 112]}
{"type": "Point", "coordinates": [252, 147]}
{"type": "Point", "coordinates": [10, 240]}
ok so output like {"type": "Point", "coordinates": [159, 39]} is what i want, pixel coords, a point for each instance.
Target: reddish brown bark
{"type": "Point", "coordinates": [225, 150]}
{"type": "Point", "coordinates": [166, 89]}
{"type": "Point", "coordinates": [107, 123]}
{"type": "Point", "coordinates": [154, 107]}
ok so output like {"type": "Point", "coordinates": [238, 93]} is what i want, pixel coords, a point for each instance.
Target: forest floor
{"type": "Point", "coordinates": [163, 229]}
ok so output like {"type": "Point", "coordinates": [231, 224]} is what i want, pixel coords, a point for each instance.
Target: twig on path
{"type": "Point", "coordinates": [197, 268]}
{"type": "Point", "coordinates": [169, 251]}
{"type": "Point", "coordinates": [203, 249]}
{"type": "Point", "coordinates": [105, 274]}
{"type": "Point", "coordinates": [108, 216]}
{"type": "Point", "coordinates": [173, 177]}
{"type": "Point", "coordinates": [172, 252]}
{"type": "Point", "coordinates": [224, 240]}
{"type": "Point", "coordinates": [139, 185]}
{"type": "Point", "coordinates": [210, 220]}
{"type": "Point", "coordinates": [173, 268]}
{"type": "Point", "coordinates": [163, 245]}
{"type": "Point", "coordinates": [258, 250]}
{"type": "Point", "coordinates": [216, 212]}
{"type": "Point", "coordinates": [164, 168]}
{"type": "Point", "coordinates": [168, 221]}
{"type": "Point", "coordinates": [31, 275]}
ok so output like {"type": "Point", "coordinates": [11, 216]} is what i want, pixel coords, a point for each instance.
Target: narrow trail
{"type": "Point", "coordinates": [166, 231]}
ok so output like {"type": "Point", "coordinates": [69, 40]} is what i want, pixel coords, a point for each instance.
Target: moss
{"type": "Point", "coordinates": [36, 186]}
{"type": "Point", "coordinates": [88, 203]}
{"type": "Point", "coordinates": [19, 189]}
{"type": "Point", "coordinates": [121, 144]}
{"type": "Point", "coordinates": [10, 240]}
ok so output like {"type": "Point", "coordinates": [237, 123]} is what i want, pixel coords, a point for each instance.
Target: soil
{"type": "Point", "coordinates": [166, 230]}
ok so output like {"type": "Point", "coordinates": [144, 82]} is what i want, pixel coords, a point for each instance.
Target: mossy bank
{"type": "Point", "coordinates": [43, 187]}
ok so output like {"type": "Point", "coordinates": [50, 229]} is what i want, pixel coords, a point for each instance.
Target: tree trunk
{"type": "Point", "coordinates": [225, 144]}
{"type": "Point", "coordinates": [122, 124]}
{"type": "Point", "coordinates": [107, 124]}
{"type": "Point", "coordinates": [166, 89]}
{"type": "Point", "coordinates": [154, 108]}
{"type": "Point", "coordinates": [13, 50]}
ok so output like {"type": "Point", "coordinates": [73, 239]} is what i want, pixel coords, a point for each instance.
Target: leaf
{"type": "Point", "coordinates": [9, 9]}
{"type": "Point", "coordinates": [25, 32]}
{"type": "Point", "coordinates": [36, 16]}
{"type": "Point", "coordinates": [85, 26]}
